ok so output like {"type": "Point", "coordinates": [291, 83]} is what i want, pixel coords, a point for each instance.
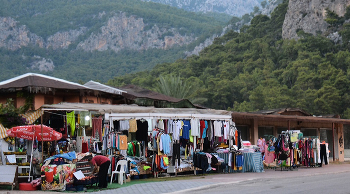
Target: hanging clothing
{"type": "Point", "coordinates": [97, 127]}
{"type": "Point", "coordinates": [186, 129]}
{"type": "Point", "coordinates": [71, 122]}
{"type": "Point", "coordinates": [142, 131]}
{"type": "Point", "coordinates": [132, 125]}
{"type": "Point", "coordinates": [218, 128]}
{"type": "Point", "coordinates": [195, 131]}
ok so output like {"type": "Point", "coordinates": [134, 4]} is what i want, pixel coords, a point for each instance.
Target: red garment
{"type": "Point", "coordinates": [134, 149]}
{"type": "Point", "coordinates": [97, 126]}
{"type": "Point", "coordinates": [99, 160]}
{"type": "Point", "coordinates": [84, 147]}
{"type": "Point", "coordinates": [201, 127]}
{"type": "Point", "coordinates": [113, 163]}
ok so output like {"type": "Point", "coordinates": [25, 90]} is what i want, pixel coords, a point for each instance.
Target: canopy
{"type": "Point", "coordinates": [32, 132]}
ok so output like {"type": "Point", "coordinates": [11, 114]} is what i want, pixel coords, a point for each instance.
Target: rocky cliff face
{"type": "Point", "coordinates": [120, 32]}
{"type": "Point", "coordinates": [128, 32]}
{"type": "Point", "coordinates": [310, 15]}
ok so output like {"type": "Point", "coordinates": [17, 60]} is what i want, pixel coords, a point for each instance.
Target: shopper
{"type": "Point", "coordinates": [103, 162]}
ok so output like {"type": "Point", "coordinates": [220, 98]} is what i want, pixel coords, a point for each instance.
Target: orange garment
{"type": "Point", "coordinates": [123, 142]}
{"type": "Point", "coordinates": [236, 137]}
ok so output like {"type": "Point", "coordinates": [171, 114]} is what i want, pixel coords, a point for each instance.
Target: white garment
{"type": "Point", "coordinates": [195, 127]}
{"type": "Point", "coordinates": [170, 126]}
{"type": "Point", "coordinates": [160, 143]}
{"type": "Point", "coordinates": [160, 124]}
{"type": "Point", "coordinates": [150, 127]}
{"type": "Point", "coordinates": [217, 128]}
{"type": "Point", "coordinates": [177, 129]}
{"type": "Point", "coordinates": [226, 129]}
{"type": "Point", "coordinates": [124, 125]}
{"type": "Point", "coordinates": [232, 134]}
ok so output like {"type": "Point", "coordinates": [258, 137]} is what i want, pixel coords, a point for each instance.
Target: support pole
{"type": "Point", "coordinates": [42, 140]}
{"type": "Point", "coordinates": [333, 142]}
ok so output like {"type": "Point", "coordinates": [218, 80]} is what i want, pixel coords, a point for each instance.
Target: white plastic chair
{"type": "Point", "coordinates": [121, 173]}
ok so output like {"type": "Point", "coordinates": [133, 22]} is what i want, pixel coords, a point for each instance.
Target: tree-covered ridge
{"type": "Point", "coordinates": [46, 17]}
{"type": "Point", "coordinates": [256, 69]}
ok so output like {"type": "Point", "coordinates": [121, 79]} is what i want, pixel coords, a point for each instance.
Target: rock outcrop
{"type": "Point", "coordinates": [128, 32]}
{"type": "Point", "coordinates": [310, 15]}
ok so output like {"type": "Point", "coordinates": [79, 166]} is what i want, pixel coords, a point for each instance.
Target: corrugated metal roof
{"type": "Point", "coordinates": [104, 88]}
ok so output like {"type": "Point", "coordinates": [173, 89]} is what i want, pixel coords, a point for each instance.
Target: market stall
{"type": "Point", "coordinates": [32, 133]}
{"type": "Point", "coordinates": [291, 150]}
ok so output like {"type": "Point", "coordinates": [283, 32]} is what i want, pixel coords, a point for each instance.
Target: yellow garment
{"type": "Point", "coordinates": [78, 120]}
{"type": "Point", "coordinates": [186, 152]}
{"type": "Point", "coordinates": [166, 160]}
{"type": "Point", "coordinates": [132, 125]}
{"type": "Point", "coordinates": [146, 167]}
{"type": "Point", "coordinates": [294, 137]}
{"type": "Point", "coordinates": [182, 124]}
{"type": "Point", "coordinates": [71, 122]}
{"type": "Point", "coordinates": [191, 137]}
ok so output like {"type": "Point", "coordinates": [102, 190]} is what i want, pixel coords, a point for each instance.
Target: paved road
{"type": "Point", "coordinates": [328, 184]}
{"type": "Point", "coordinates": [299, 181]}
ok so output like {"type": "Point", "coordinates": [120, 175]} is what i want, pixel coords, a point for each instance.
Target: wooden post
{"type": "Point", "coordinates": [288, 125]}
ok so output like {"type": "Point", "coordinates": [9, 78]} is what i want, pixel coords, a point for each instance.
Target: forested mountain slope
{"type": "Point", "coordinates": [95, 40]}
{"type": "Point", "coordinates": [235, 8]}
{"type": "Point", "coordinates": [257, 69]}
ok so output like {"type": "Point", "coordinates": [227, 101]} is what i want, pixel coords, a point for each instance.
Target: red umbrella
{"type": "Point", "coordinates": [32, 132]}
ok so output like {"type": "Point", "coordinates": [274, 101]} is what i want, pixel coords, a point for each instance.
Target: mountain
{"type": "Point", "coordinates": [259, 69]}
{"type": "Point", "coordinates": [234, 8]}
{"type": "Point", "coordinates": [310, 16]}
{"type": "Point", "coordinates": [96, 40]}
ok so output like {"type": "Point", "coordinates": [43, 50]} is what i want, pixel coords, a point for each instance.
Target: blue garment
{"type": "Point", "coordinates": [205, 130]}
{"type": "Point", "coordinates": [68, 156]}
{"type": "Point", "coordinates": [162, 164]}
{"type": "Point", "coordinates": [186, 129]}
{"type": "Point", "coordinates": [166, 143]}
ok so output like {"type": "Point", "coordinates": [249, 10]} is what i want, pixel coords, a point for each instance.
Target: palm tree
{"type": "Point", "coordinates": [174, 86]}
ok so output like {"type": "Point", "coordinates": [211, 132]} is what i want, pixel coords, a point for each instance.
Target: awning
{"type": "Point", "coordinates": [32, 116]}
{"type": "Point", "coordinates": [3, 130]}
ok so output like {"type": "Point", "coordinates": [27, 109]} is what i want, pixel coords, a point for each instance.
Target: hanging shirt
{"type": "Point", "coordinates": [186, 129]}
{"type": "Point", "coordinates": [177, 129]}
{"type": "Point", "coordinates": [170, 126]}
{"type": "Point", "coordinates": [160, 124]}
{"type": "Point", "coordinates": [226, 126]}
{"type": "Point", "coordinates": [124, 125]}
{"type": "Point", "coordinates": [132, 125]}
{"type": "Point", "coordinates": [204, 135]}
{"type": "Point", "coordinates": [210, 130]}
{"type": "Point", "coordinates": [142, 130]}
{"type": "Point", "coordinates": [195, 127]}
{"type": "Point", "coordinates": [217, 128]}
